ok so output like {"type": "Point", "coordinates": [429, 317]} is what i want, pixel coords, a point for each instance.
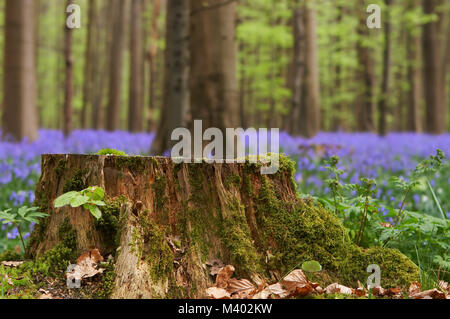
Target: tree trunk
{"type": "Point", "coordinates": [152, 60]}
{"type": "Point", "coordinates": [165, 222]}
{"type": "Point", "coordinates": [213, 49]}
{"type": "Point", "coordinates": [386, 82]}
{"type": "Point", "coordinates": [298, 113]}
{"type": "Point", "coordinates": [89, 60]}
{"type": "Point", "coordinates": [20, 118]}
{"type": "Point", "coordinates": [415, 100]}
{"type": "Point", "coordinates": [136, 73]}
{"type": "Point", "coordinates": [176, 89]}
{"type": "Point", "coordinates": [366, 103]}
{"type": "Point", "coordinates": [116, 66]}
{"type": "Point", "coordinates": [312, 98]}
{"type": "Point", "coordinates": [68, 89]}
{"type": "Point", "coordinates": [433, 85]}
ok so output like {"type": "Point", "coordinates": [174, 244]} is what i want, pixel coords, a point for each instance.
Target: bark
{"type": "Point", "coordinates": [136, 74]}
{"type": "Point", "coordinates": [20, 118]}
{"type": "Point", "coordinates": [298, 114]}
{"type": "Point", "coordinates": [176, 87]}
{"type": "Point", "coordinates": [415, 94]}
{"type": "Point", "coordinates": [68, 88]}
{"type": "Point", "coordinates": [339, 120]}
{"type": "Point", "coordinates": [89, 60]}
{"type": "Point", "coordinates": [366, 103]}
{"type": "Point", "coordinates": [152, 60]}
{"type": "Point", "coordinates": [213, 82]}
{"type": "Point", "coordinates": [312, 98]}
{"type": "Point", "coordinates": [116, 66]}
{"type": "Point", "coordinates": [386, 81]}
{"type": "Point", "coordinates": [165, 221]}
{"type": "Point", "coordinates": [433, 84]}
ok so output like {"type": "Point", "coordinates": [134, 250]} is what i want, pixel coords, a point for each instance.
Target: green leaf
{"type": "Point", "coordinates": [95, 211]}
{"type": "Point", "coordinates": [97, 202]}
{"type": "Point", "coordinates": [64, 199]}
{"type": "Point", "coordinates": [22, 211]}
{"type": "Point", "coordinates": [311, 266]}
{"type": "Point", "coordinates": [79, 200]}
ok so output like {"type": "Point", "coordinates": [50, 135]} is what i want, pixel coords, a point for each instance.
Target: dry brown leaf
{"type": "Point", "coordinates": [414, 288]}
{"type": "Point", "coordinates": [429, 294]}
{"type": "Point", "coordinates": [223, 276]}
{"type": "Point", "coordinates": [319, 290]}
{"type": "Point", "coordinates": [277, 291]}
{"type": "Point", "coordinates": [12, 263]}
{"type": "Point", "coordinates": [297, 284]}
{"type": "Point", "coordinates": [216, 265]}
{"type": "Point", "coordinates": [217, 293]}
{"type": "Point", "coordinates": [378, 291]}
{"type": "Point", "coordinates": [241, 288]}
{"type": "Point", "coordinates": [336, 288]}
{"type": "Point", "coordinates": [86, 266]}
{"type": "Point", "coordinates": [444, 286]}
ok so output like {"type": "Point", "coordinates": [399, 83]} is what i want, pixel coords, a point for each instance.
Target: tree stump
{"type": "Point", "coordinates": [166, 223]}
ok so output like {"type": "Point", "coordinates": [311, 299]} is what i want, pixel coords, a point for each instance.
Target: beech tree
{"type": "Point", "coordinates": [213, 82]}
{"type": "Point", "coordinates": [176, 87]}
{"type": "Point", "coordinates": [19, 118]}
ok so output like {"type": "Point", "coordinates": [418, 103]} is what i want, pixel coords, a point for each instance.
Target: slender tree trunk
{"type": "Point", "coordinates": [298, 119]}
{"type": "Point", "coordinates": [338, 116]}
{"type": "Point", "coordinates": [89, 60]}
{"type": "Point", "coordinates": [68, 90]}
{"type": "Point", "coordinates": [366, 103]}
{"type": "Point", "coordinates": [385, 86]}
{"type": "Point", "coordinates": [213, 83]}
{"type": "Point", "coordinates": [152, 64]}
{"type": "Point", "coordinates": [312, 89]}
{"type": "Point", "coordinates": [116, 66]}
{"type": "Point", "coordinates": [100, 70]}
{"type": "Point", "coordinates": [415, 79]}
{"type": "Point", "coordinates": [176, 89]}
{"type": "Point", "coordinates": [135, 94]}
{"type": "Point", "coordinates": [434, 86]}
{"type": "Point", "coordinates": [20, 118]}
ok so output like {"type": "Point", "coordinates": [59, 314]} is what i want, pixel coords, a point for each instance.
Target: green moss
{"type": "Point", "coordinates": [305, 231]}
{"type": "Point", "coordinates": [233, 180]}
{"type": "Point", "coordinates": [159, 187]}
{"type": "Point", "coordinates": [22, 287]}
{"type": "Point", "coordinates": [76, 183]}
{"type": "Point", "coordinates": [9, 255]}
{"type": "Point", "coordinates": [60, 168]}
{"type": "Point", "coordinates": [68, 235]}
{"type": "Point", "coordinates": [108, 224]}
{"type": "Point", "coordinates": [236, 237]}
{"type": "Point", "coordinates": [107, 283]}
{"type": "Point", "coordinates": [111, 151]}
{"type": "Point", "coordinates": [132, 163]}
{"type": "Point", "coordinates": [156, 250]}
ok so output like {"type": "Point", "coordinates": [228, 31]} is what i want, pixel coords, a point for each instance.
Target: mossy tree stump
{"type": "Point", "coordinates": [163, 222]}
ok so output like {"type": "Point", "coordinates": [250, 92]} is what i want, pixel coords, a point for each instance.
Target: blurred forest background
{"type": "Point", "coordinates": [152, 65]}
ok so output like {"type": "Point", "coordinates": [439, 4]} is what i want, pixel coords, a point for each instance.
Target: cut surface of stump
{"type": "Point", "coordinates": [164, 223]}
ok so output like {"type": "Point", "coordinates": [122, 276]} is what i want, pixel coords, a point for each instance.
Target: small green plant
{"type": "Point", "coordinates": [111, 151]}
{"type": "Point", "coordinates": [19, 216]}
{"type": "Point", "coordinates": [311, 266]}
{"type": "Point", "coordinates": [334, 183]}
{"type": "Point", "coordinates": [90, 199]}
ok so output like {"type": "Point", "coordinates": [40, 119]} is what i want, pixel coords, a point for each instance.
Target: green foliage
{"type": "Point", "coordinates": [111, 151]}
{"type": "Point", "coordinates": [19, 216]}
{"type": "Point", "coordinates": [311, 266]}
{"type": "Point", "coordinates": [90, 199]}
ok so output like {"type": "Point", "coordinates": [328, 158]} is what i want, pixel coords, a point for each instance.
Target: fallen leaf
{"type": "Point", "coordinates": [241, 288]}
{"type": "Point", "coordinates": [378, 291]}
{"type": "Point", "coordinates": [12, 263]}
{"type": "Point", "coordinates": [86, 266]}
{"type": "Point", "coordinates": [444, 286]}
{"type": "Point", "coordinates": [277, 291]}
{"type": "Point", "coordinates": [294, 278]}
{"type": "Point", "coordinates": [223, 276]}
{"type": "Point", "coordinates": [414, 288]}
{"type": "Point", "coordinates": [429, 294]}
{"type": "Point", "coordinates": [217, 293]}
{"type": "Point", "coordinates": [215, 265]}
{"type": "Point", "coordinates": [336, 288]}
